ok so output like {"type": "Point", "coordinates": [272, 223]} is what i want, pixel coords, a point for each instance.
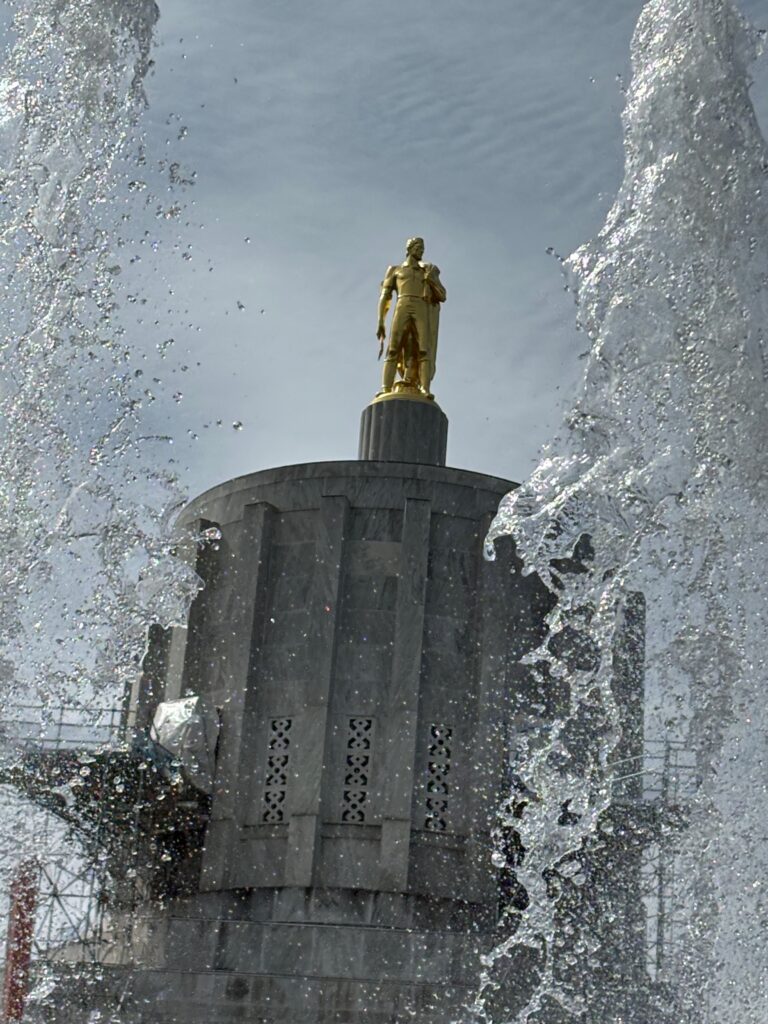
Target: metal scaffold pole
{"type": "Point", "coordinates": [18, 951]}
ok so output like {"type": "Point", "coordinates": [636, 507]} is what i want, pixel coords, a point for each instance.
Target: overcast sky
{"type": "Point", "coordinates": [326, 134]}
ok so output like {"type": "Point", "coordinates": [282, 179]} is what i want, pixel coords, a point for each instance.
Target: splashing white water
{"type": "Point", "coordinates": [662, 462]}
{"type": "Point", "coordinates": [85, 498]}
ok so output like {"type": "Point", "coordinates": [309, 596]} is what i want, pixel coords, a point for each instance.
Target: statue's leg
{"type": "Point", "coordinates": [425, 373]}
{"type": "Point", "coordinates": [389, 370]}
{"type": "Point", "coordinates": [410, 369]}
{"type": "Point", "coordinates": [392, 356]}
{"type": "Point", "coordinates": [394, 352]}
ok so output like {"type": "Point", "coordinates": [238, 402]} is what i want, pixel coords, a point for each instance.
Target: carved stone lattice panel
{"type": "Point", "coordinates": [357, 774]}
{"type": "Point", "coordinates": [276, 782]}
{"type": "Point", "coordinates": [438, 771]}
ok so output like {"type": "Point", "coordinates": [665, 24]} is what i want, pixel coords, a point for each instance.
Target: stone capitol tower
{"type": "Point", "coordinates": [361, 653]}
{"type": "Point", "coordinates": [354, 661]}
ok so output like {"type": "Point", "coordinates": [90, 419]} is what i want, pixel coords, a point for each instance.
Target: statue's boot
{"type": "Point", "coordinates": [388, 375]}
{"type": "Point", "coordinates": [411, 375]}
{"type": "Point", "coordinates": [425, 377]}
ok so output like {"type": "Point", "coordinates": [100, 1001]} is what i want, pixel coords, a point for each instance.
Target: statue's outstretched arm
{"type": "Point", "coordinates": [385, 300]}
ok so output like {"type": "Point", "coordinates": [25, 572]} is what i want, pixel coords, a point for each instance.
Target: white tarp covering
{"type": "Point", "coordinates": [188, 729]}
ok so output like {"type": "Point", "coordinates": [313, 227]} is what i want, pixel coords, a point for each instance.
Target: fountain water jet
{"type": "Point", "coordinates": [661, 462]}
{"type": "Point", "coordinates": [85, 498]}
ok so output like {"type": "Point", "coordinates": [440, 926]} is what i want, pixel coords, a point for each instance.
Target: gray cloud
{"type": "Point", "coordinates": [329, 133]}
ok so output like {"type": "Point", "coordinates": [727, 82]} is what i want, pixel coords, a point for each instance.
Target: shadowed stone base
{"type": "Point", "coordinates": [404, 428]}
{"type": "Point", "coordinates": [196, 970]}
{"type": "Point", "coordinates": [186, 997]}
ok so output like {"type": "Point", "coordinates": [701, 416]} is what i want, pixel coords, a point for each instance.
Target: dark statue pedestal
{"type": "Point", "coordinates": [403, 428]}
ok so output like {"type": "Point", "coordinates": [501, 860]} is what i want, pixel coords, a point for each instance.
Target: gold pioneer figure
{"type": "Point", "coordinates": [412, 345]}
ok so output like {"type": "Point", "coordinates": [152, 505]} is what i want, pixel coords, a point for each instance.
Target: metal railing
{"type": "Point", "coordinates": [45, 728]}
{"type": "Point", "coordinates": [665, 773]}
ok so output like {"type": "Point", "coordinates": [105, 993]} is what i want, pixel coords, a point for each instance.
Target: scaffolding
{"type": "Point", "coordinates": [39, 741]}
{"type": "Point", "coordinates": [665, 781]}
{"type": "Point", "coordinates": [112, 811]}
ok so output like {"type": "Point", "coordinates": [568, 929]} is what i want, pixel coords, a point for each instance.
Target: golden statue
{"type": "Point", "coordinates": [412, 348]}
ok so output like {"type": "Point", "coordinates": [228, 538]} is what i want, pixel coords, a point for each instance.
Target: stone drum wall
{"type": "Point", "coordinates": [362, 656]}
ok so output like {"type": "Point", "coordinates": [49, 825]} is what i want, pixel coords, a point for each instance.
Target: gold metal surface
{"type": "Point", "coordinates": [409, 394]}
{"type": "Point", "coordinates": [412, 348]}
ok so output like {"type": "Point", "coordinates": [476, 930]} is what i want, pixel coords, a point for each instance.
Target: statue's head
{"type": "Point", "coordinates": [415, 247]}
